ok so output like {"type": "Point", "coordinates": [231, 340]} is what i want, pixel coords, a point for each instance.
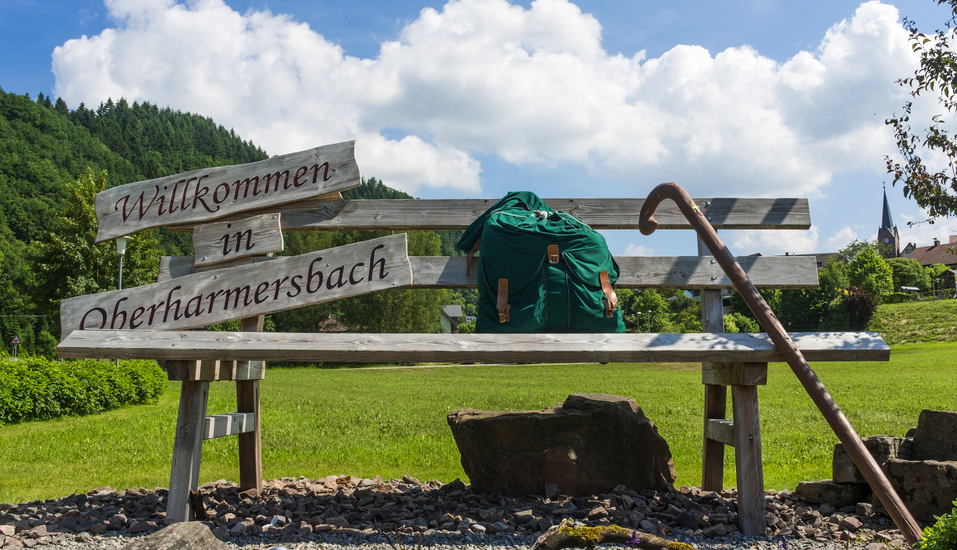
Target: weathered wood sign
{"type": "Point", "coordinates": [212, 193]}
{"type": "Point", "coordinates": [215, 243]}
{"type": "Point", "coordinates": [258, 289]}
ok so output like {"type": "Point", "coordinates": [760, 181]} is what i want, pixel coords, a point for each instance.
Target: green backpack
{"type": "Point", "coordinates": [540, 270]}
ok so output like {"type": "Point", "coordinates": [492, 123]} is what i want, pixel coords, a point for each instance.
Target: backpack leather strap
{"type": "Point", "coordinates": [553, 253]}
{"type": "Point", "coordinates": [468, 259]}
{"type": "Point", "coordinates": [611, 299]}
{"type": "Point", "coordinates": [502, 301]}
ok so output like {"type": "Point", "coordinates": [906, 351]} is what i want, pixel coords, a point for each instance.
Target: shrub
{"type": "Point", "coordinates": [942, 535]}
{"type": "Point", "coordinates": [861, 305]}
{"type": "Point", "coordinates": [36, 389]}
{"type": "Point", "coordinates": [900, 298]}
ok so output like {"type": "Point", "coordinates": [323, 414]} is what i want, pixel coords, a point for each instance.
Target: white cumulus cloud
{"type": "Point", "coordinates": [485, 77]}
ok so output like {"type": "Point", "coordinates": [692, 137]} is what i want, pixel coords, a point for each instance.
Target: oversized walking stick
{"type": "Point", "coordinates": [815, 389]}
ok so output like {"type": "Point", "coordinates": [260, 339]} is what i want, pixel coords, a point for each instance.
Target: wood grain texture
{"type": "Point", "coordinates": [488, 348]}
{"type": "Point", "coordinates": [712, 449]}
{"type": "Point", "coordinates": [221, 242]}
{"type": "Point", "coordinates": [212, 371]}
{"type": "Point", "coordinates": [199, 196]}
{"type": "Point", "coordinates": [599, 213]}
{"type": "Point", "coordinates": [719, 430]}
{"type": "Point", "coordinates": [187, 450]}
{"type": "Point", "coordinates": [220, 295]}
{"type": "Point", "coordinates": [747, 461]}
{"type": "Point", "coordinates": [247, 401]}
{"type": "Point", "coordinates": [222, 425]}
{"type": "Point", "coordinates": [735, 374]}
{"type": "Point", "coordinates": [684, 272]}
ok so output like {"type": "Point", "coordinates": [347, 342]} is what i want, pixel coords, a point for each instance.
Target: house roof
{"type": "Point", "coordinates": [453, 311]}
{"type": "Point", "coordinates": [943, 253]}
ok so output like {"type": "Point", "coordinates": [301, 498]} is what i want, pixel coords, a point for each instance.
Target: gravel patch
{"type": "Point", "coordinates": [339, 512]}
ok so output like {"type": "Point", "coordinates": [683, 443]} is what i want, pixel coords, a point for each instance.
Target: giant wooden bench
{"type": "Point", "coordinates": [738, 361]}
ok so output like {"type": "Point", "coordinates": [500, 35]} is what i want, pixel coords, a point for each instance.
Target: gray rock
{"type": "Point", "coordinates": [936, 436]}
{"type": "Point", "coordinates": [881, 447]}
{"type": "Point", "coordinates": [587, 445]}
{"type": "Point", "coordinates": [927, 487]}
{"type": "Point", "coordinates": [180, 536]}
{"type": "Point", "coordinates": [835, 494]}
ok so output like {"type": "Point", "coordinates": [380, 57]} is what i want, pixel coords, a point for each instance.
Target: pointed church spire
{"type": "Point", "coordinates": [886, 221]}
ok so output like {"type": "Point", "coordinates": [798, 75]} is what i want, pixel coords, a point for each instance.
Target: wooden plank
{"type": "Point", "coordinates": [221, 295]}
{"type": "Point", "coordinates": [747, 461]}
{"type": "Point", "coordinates": [599, 213]}
{"type": "Point", "coordinates": [222, 425]}
{"type": "Point", "coordinates": [214, 370]}
{"type": "Point", "coordinates": [247, 400]}
{"type": "Point", "coordinates": [684, 272]}
{"type": "Point", "coordinates": [735, 374]}
{"type": "Point", "coordinates": [217, 243]}
{"type": "Point", "coordinates": [173, 267]}
{"type": "Point", "coordinates": [488, 348]}
{"type": "Point", "coordinates": [719, 430]}
{"type": "Point", "coordinates": [199, 196]}
{"type": "Point", "coordinates": [187, 450]}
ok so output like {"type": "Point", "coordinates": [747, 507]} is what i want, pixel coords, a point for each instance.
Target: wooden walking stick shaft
{"type": "Point", "coordinates": [812, 384]}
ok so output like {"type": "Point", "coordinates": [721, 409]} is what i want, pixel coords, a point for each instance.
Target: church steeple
{"type": "Point", "coordinates": [887, 234]}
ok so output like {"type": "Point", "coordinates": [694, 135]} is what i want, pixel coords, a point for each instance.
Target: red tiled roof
{"type": "Point", "coordinates": [937, 254]}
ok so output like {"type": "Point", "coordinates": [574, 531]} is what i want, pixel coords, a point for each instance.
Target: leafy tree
{"type": "Point", "coordinates": [870, 272]}
{"type": "Point", "coordinates": [68, 263]}
{"type": "Point", "coordinates": [934, 190]}
{"type": "Point", "coordinates": [910, 273]}
{"type": "Point", "coordinates": [860, 305]}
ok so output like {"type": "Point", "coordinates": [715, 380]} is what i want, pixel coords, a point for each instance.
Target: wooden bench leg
{"type": "Point", "coordinates": [747, 455]}
{"type": "Point", "coordinates": [187, 450]}
{"type": "Point", "coordinates": [712, 460]}
{"type": "Point", "coordinates": [250, 443]}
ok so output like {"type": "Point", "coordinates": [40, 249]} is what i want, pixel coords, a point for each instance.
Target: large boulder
{"type": "Point", "coordinates": [587, 445]}
{"type": "Point", "coordinates": [881, 447]}
{"type": "Point", "coordinates": [191, 535]}
{"type": "Point", "coordinates": [936, 436]}
{"type": "Point", "coordinates": [927, 487]}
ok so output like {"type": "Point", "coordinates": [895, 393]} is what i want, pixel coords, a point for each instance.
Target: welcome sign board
{"type": "Point", "coordinates": [220, 295]}
{"type": "Point", "coordinates": [212, 193]}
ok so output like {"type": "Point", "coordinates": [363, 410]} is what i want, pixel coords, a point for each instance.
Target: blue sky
{"type": "Point", "coordinates": [479, 97]}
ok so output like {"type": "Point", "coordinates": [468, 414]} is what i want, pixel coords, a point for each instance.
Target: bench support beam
{"type": "Point", "coordinates": [187, 450]}
{"type": "Point", "coordinates": [747, 460]}
{"type": "Point", "coordinates": [247, 401]}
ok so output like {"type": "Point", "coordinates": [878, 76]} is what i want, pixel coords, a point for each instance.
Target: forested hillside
{"type": "Point", "coordinates": [53, 159]}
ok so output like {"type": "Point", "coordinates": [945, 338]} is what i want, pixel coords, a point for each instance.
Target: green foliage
{"type": "Point", "coordinates": [735, 322]}
{"type": "Point", "coordinates": [870, 272]}
{"type": "Point", "coordinates": [34, 388]}
{"type": "Point", "coordinates": [910, 273]}
{"type": "Point", "coordinates": [467, 327]}
{"type": "Point", "coordinates": [941, 535]}
{"type": "Point", "coordinates": [933, 189]}
{"type": "Point", "coordinates": [860, 305]}
{"type": "Point", "coordinates": [69, 263]}
{"type": "Point", "coordinates": [806, 309]}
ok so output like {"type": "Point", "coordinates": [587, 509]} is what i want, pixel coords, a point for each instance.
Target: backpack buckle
{"type": "Point", "coordinates": [501, 302]}
{"type": "Point", "coordinates": [553, 253]}
{"type": "Point", "coordinates": [610, 299]}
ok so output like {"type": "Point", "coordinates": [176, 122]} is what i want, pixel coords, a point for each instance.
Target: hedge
{"type": "Point", "coordinates": [34, 388]}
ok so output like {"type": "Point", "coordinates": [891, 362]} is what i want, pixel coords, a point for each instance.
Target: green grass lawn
{"type": "Point", "coordinates": [390, 422]}
{"type": "Point", "coordinates": [916, 322]}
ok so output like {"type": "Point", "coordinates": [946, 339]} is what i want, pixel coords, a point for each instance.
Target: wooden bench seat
{"type": "Point", "coordinates": [485, 348]}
